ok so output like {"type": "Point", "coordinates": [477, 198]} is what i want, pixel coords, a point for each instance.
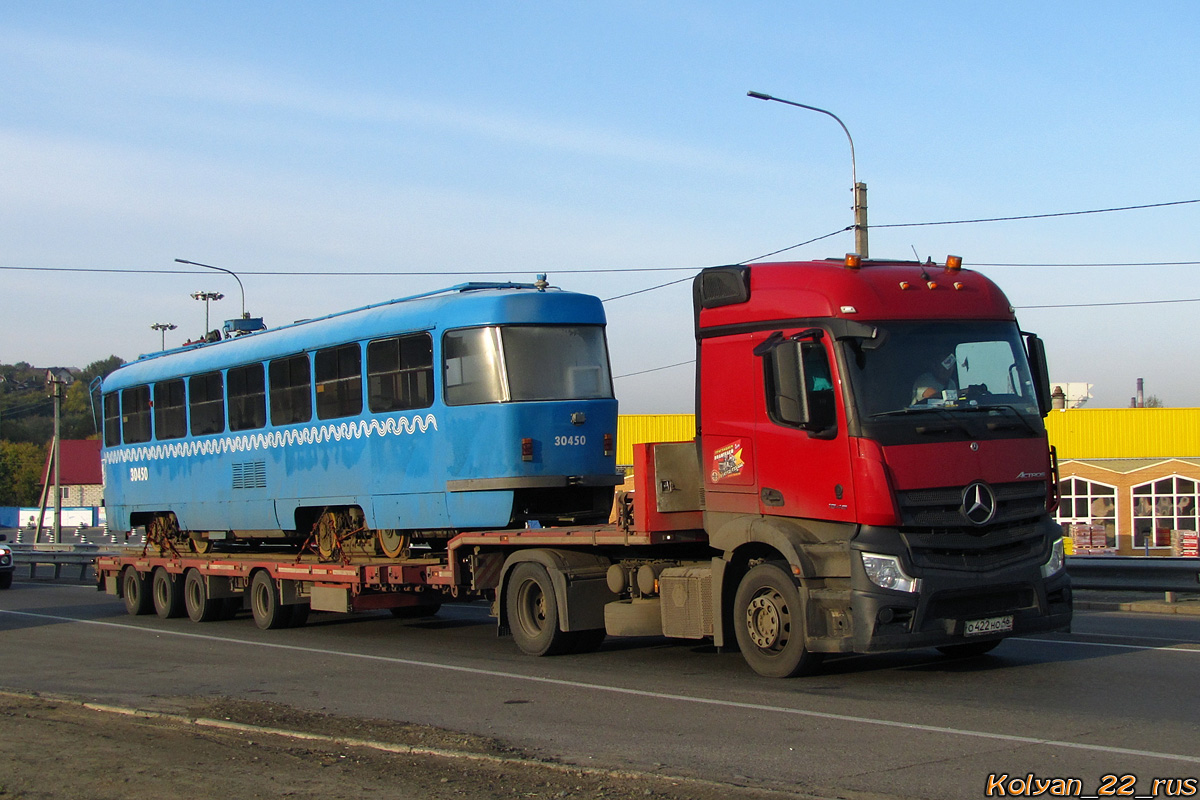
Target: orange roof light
{"type": "Point", "coordinates": [853, 261]}
{"type": "Point", "coordinates": [953, 263]}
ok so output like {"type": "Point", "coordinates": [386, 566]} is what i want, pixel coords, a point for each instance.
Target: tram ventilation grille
{"type": "Point", "coordinates": [250, 475]}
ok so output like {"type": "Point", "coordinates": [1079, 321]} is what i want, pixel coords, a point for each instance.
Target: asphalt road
{"type": "Point", "coordinates": [1116, 697]}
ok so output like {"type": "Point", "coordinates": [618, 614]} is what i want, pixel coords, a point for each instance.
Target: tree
{"type": "Point", "coordinates": [1153, 401]}
{"type": "Point", "coordinates": [21, 465]}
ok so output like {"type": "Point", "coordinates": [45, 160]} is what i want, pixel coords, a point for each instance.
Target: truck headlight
{"type": "Point", "coordinates": [1055, 562]}
{"type": "Point", "coordinates": [886, 573]}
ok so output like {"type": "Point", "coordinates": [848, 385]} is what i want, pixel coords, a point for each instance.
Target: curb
{"type": "Point", "coordinates": [1187, 608]}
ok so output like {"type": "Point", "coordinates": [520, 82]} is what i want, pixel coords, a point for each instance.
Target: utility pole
{"type": "Point", "coordinates": [54, 386]}
{"type": "Point", "coordinates": [859, 189]}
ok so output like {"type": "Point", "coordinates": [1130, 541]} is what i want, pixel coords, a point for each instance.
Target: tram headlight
{"type": "Point", "coordinates": [1056, 560]}
{"type": "Point", "coordinates": [887, 573]}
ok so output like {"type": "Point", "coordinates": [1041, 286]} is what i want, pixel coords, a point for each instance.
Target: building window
{"type": "Point", "coordinates": [1162, 506]}
{"type": "Point", "coordinates": [1088, 503]}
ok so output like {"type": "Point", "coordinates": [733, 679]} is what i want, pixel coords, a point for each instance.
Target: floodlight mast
{"type": "Point", "coordinates": [221, 269]}
{"type": "Point", "coordinates": [859, 189]}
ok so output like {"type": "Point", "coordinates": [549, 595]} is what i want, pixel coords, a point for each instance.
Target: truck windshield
{"type": "Point", "coordinates": [516, 363]}
{"type": "Point", "coordinates": [947, 366]}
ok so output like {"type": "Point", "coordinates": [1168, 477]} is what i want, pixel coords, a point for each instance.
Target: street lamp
{"type": "Point", "coordinates": [163, 327]}
{"type": "Point", "coordinates": [859, 189]}
{"type": "Point", "coordinates": [221, 269]}
{"type": "Point", "coordinates": [206, 296]}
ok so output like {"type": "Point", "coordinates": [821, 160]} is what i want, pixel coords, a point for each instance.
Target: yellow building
{"type": "Point", "coordinates": [1134, 471]}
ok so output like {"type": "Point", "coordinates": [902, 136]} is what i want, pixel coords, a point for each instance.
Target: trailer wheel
{"type": "Point", "coordinates": [769, 621]}
{"type": "Point", "coordinates": [969, 649]}
{"type": "Point", "coordinates": [269, 613]}
{"type": "Point", "coordinates": [533, 612]}
{"type": "Point", "coordinates": [200, 607]}
{"type": "Point", "coordinates": [167, 591]}
{"type": "Point", "coordinates": [136, 591]}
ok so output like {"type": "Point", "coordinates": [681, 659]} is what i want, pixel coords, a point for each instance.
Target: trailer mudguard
{"type": "Point", "coordinates": [580, 586]}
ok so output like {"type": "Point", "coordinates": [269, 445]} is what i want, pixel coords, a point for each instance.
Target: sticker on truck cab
{"type": "Point", "coordinates": [727, 462]}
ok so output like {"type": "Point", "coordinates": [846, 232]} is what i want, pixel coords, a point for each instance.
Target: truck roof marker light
{"type": "Point", "coordinates": [853, 261]}
{"type": "Point", "coordinates": [905, 285]}
{"type": "Point", "coordinates": [959, 286]}
{"type": "Point", "coordinates": [953, 263]}
{"type": "Point", "coordinates": [849, 310]}
{"type": "Point", "coordinates": [931, 284]}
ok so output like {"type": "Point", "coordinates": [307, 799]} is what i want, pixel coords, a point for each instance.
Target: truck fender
{"type": "Point", "coordinates": [819, 549]}
{"type": "Point", "coordinates": [580, 586]}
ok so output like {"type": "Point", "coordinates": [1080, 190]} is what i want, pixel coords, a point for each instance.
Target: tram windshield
{"type": "Point", "coordinates": [519, 363]}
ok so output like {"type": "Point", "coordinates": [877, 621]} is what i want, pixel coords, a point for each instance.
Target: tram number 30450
{"type": "Point", "coordinates": [139, 473]}
{"type": "Point", "coordinates": [570, 441]}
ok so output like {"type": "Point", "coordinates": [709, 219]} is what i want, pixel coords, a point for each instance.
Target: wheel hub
{"type": "Point", "coordinates": [763, 622]}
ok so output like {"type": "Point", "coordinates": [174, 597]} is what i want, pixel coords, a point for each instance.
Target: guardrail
{"type": "Point", "coordinates": [1134, 574]}
{"type": "Point", "coordinates": [59, 556]}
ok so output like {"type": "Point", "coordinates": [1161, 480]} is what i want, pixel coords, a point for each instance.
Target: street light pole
{"type": "Point", "coordinates": [221, 269]}
{"type": "Point", "coordinates": [206, 296]}
{"type": "Point", "coordinates": [859, 189]}
{"type": "Point", "coordinates": [163, 327]}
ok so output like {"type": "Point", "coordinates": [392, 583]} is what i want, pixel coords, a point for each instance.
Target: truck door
{"type": "Point", "coordinates": [801, 448]}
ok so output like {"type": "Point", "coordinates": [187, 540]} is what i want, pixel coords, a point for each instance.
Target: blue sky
{"type": "Point", "coordinates": [520, 138]}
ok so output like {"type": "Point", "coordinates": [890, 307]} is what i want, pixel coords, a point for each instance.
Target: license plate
{"type": "Point", "coordinates": [976, 627]}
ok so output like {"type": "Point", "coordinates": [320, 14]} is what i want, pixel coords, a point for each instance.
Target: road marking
{"type": "Point", "coordinates": [1181, 647]}
{"type": "Point", "coordinates": [665, 696]}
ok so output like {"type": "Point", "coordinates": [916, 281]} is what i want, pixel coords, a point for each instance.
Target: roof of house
{"type": "Point", "coordinates": [79, 462]}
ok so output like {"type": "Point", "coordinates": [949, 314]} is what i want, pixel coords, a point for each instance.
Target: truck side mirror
{"type": "Point", "coordinates": [785, 387]}
{"type": "Point", "coordinates": [1039, 371]}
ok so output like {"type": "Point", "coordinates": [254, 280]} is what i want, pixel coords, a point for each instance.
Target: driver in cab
{"type": "Point", "coordinates": [931, 385]}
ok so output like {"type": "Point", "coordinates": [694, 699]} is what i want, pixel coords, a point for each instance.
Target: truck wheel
{"type": "Point", "coordinates": [200, 607]}
{"type": "Point", "coordinates": [269, 613]}
{"type": "Point", "coordinates": [136, 592]}
{"type": "Point", "coordinates": [533, 612]}
{"type": "Point", "coordinates": [167, 591]}
{"type": "Point", "coordinates": [969, 649]}
{"type": "Point", "coordinates": [769, 620]}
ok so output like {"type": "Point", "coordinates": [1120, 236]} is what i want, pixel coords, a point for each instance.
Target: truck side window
{"type": "Point", "coordinates": [799, 387]}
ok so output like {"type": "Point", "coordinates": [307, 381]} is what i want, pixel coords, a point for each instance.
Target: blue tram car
{"type": "Point", "coordinates": [478, 406]}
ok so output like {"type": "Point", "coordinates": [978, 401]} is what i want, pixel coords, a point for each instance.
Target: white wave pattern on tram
{"type": "Point", "coordinates": [269, 440]}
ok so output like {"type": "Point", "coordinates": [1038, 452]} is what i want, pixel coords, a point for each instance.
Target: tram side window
{"type": "Point", "coordinates": [339, 381]}
{"type": "Point", "coordinates": [247, 397]}
{"type": "Point", "coordinates": [473, 368]}
{"type": "Point", "coordinates": [206, 403]}
{"type": "Point", "coordinates": [112, 419]}
{"type": "Point", "coordinates": [400, 373]}
{"type": "Point", "coordinates": [135, 414]}
{"type": "Point", "coordinates": [291, 390]}
{"type": "Point", "coordinates": [170, 411]}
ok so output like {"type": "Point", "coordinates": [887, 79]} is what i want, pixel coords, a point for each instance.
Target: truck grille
{"type": "Point", "coordinates": [965, 605]}
{"type": "Point", "coordinates": [941, 508]}
{"type": "Point", "coordinates": [975, 550]}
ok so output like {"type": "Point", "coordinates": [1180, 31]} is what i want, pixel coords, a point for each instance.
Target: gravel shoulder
{"type": "Point", "coordinates": [220, 748]}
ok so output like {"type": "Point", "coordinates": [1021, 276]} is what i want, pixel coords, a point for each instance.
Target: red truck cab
{"type": "Point", "coordinates": [879, 424]}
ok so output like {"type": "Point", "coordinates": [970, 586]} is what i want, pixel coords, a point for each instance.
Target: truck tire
{"type": "Point", "coordinates": [200, 607]}
{"type": "Point", "coordinates": [167, 591]}
{"type": "Point", "coordinates": [269, 613]}
{"type": "Point", "coordinates": [533, 612]}
{"type": "Point", "coordinates": [769, 622]}
{"type": "Point", "coordinates": [135, 590]}
{"type": "Point", "coordinates": [6, 579]}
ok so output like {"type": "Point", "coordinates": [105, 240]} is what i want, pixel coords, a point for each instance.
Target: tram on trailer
{"type": "Point", "coordinates": [484, 405]}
